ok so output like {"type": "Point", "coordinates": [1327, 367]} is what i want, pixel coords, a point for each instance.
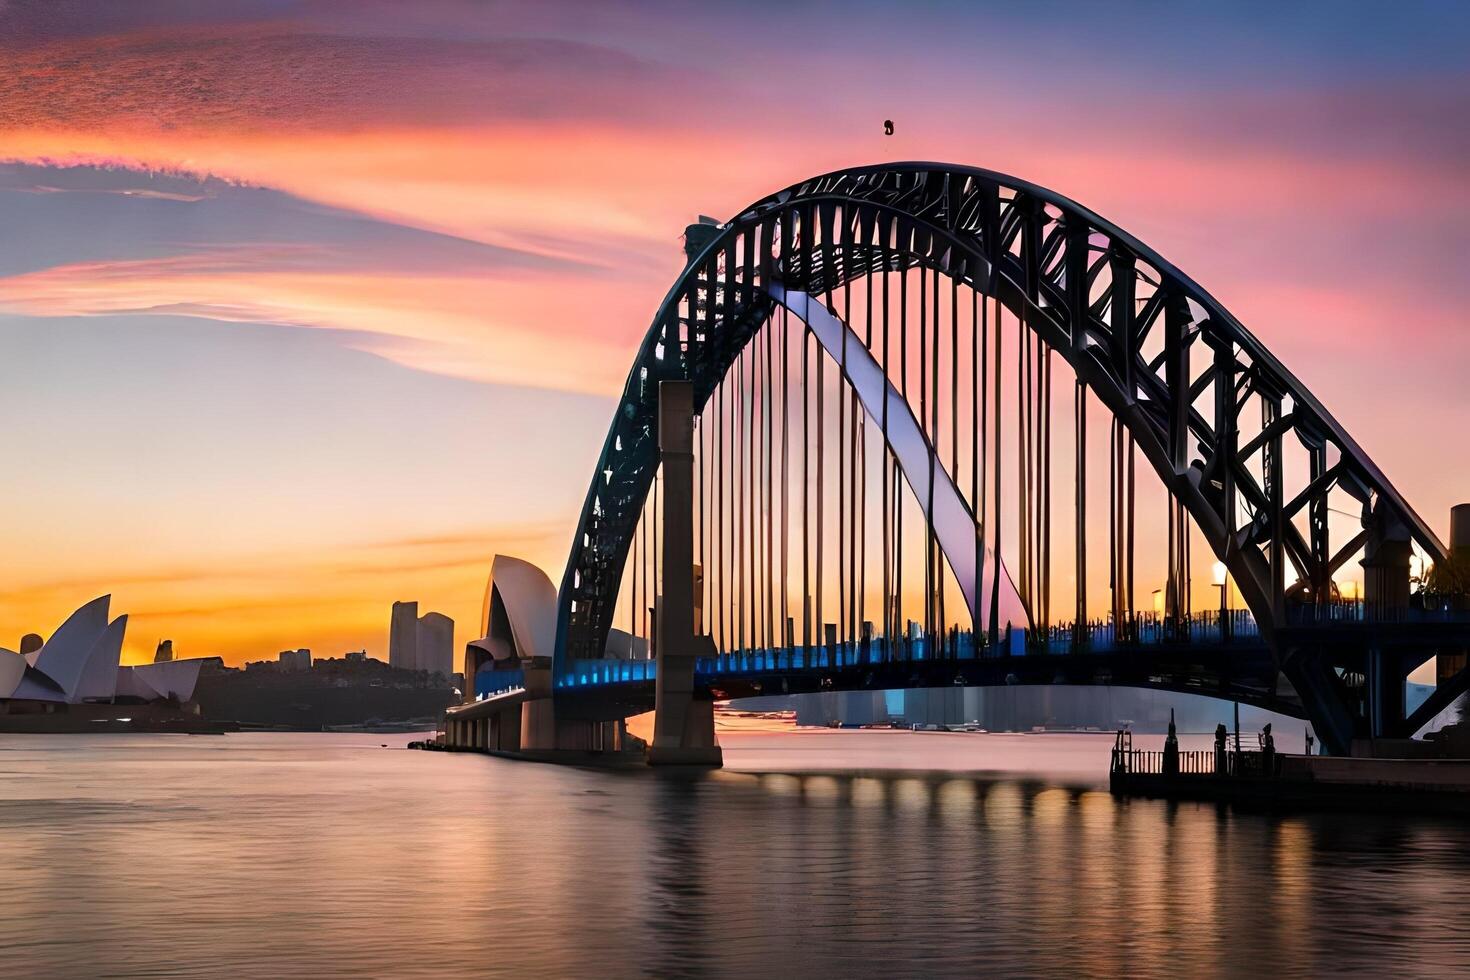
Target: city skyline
{"type": "Point", "coordinates": [280, 312]}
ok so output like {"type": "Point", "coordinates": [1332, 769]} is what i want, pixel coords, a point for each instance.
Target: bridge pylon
{"type": "Point", "coordinates": [683, 726]}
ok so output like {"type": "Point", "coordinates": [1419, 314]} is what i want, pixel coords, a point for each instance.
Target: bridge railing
{"type": "Point", "coordinates": [1198, 762]}
{"type": "Point", "coordinates": [489, 683]}
{"type": "Point", "coordinates": [1062, 639]}
{"type": "Point", "coordinates": [1146, 629]}
{"type": "Point", "coordinates": [594, 673]}
{"type": "Point", "coordinates": [1359, 611]}
{"type": "Point", "coordinates": [1143, 630]}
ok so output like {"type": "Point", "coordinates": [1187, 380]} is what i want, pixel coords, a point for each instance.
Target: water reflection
{"type": "Point", "coordinates": [327, 855]}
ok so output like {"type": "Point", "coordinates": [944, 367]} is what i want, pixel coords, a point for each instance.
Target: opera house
{"type": "Point", "coordinates": [73, 681]}
{"type": "Point", "coordinates": [507, 698]}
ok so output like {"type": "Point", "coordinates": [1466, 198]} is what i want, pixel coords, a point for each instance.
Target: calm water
{"type": "Point", "coordinates": [330, 856]}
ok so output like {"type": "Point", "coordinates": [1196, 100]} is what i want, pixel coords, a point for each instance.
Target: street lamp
{"type": "Point", "coordinates": [1222, 581]}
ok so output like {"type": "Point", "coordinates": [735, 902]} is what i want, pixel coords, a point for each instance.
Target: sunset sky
{"type": "Point", "coordinates": [311, 305]}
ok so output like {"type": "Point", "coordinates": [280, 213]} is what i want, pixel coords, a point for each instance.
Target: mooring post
{"type": "Point", "coordinates": [683, 728]}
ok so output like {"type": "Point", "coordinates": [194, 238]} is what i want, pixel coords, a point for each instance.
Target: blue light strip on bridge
{"type": "Point", "coordinates": [1148, 632]}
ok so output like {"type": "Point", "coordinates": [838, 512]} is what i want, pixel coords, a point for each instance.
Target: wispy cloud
{"type": "Point", "coordinates": [468, 328]}
{"type": "Point", "coordinates": [66, 215]}
{"type": "Point", "coordinates": [253, 78]}
{"type": "Point", "coordinates": [112, 242]}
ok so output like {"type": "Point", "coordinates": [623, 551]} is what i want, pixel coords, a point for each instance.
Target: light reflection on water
{"type": "Point", "coordinates": [327, 855]}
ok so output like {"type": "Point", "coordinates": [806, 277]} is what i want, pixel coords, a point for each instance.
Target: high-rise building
{"type": "Point", "coordinates": [420, 642]}
{"type": "Point", "coordinates": [403, 636]}
{"type": "Point", "coordinates": [436, 643]}
{"type": "Point", "coordinates": [165, 652]}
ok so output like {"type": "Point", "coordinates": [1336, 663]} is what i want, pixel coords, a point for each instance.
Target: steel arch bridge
{"type": "Point", "coordinates": [1249, 461]}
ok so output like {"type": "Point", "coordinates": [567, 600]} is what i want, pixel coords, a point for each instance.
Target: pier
{"type": "Point", "coordinates": [1262, 778]}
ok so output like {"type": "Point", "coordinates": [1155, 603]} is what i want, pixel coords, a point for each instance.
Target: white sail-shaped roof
{"type": "Point", "coordinates": [130, 685]}
{"type": "Point", "coordinates": [64, 656]}
{"type": "Point", "coordinates": [12, 669]}
{"type": "Point", "coordinates": [529, 600]}
{"type": "Point", "coordinates": [498, 647]}
{"type": "Point", "coordinates": [175, 678]}
{"type": "Point", "coordinates": [99, 676]}
{"type": "Point", "coordinates": [36, 686]}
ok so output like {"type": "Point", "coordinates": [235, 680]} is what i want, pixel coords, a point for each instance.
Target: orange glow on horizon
{"type": "Point", "coordinates": [252, 606]}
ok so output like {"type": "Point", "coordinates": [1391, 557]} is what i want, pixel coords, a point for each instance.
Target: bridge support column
{"type": "Point", "coordinates": [1332, 718]}
{"type": "Point", "coordinates": [1385, 597]}
{"type": "Point", "coordinates": [683, 728]}
{"type": "Point", "coordinates": [538, 725]}
{"type": "Point", "coordinates": [1451, 662]}
{"type": "Point", "coordinates": [1385, 693]}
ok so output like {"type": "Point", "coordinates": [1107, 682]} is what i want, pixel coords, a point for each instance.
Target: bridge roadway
{"type": "Point", "coordinates": [1190, 658]}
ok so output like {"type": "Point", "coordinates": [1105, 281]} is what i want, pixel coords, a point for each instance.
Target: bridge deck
{"type": "Point", "coordinates": [1241, 669]}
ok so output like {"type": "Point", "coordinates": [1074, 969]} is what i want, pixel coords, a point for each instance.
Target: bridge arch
{"type": "Point", "coordinates": [1094, 294]}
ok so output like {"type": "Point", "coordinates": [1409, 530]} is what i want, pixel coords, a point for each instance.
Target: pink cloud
{"type": "Point", "coordinates": [262, 78]}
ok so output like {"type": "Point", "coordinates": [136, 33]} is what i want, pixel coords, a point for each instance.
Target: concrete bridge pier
{"type": "Point", "coordinates": [683, 726]}
{"type": "Point", "coordinates": [1451, 662]}
{"type": "Point", "coordinates": [1386, 597]}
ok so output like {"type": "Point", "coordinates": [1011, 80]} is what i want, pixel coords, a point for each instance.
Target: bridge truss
{"type": "Point", "coordinates": [835, 463]}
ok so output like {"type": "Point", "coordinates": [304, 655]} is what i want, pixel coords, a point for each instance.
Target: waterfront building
{"type": "Point", "coordinates": [79, 665]}
{"type": "Point", "coordinates": [347, 690]}
{"type": "Point", "coordinates": [517, 619]}
{"type": "Point", "coordinates": [12, 670]}
{"type": "Point", "coordinates": [173, 679]}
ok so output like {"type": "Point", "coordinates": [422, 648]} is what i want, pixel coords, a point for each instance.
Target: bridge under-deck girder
{"type": "Point", "coordinates": [1230, 671]}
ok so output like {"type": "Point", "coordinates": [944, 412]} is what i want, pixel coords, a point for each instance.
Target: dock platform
{"type": "Point", "coordinates": [1287, 781]}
